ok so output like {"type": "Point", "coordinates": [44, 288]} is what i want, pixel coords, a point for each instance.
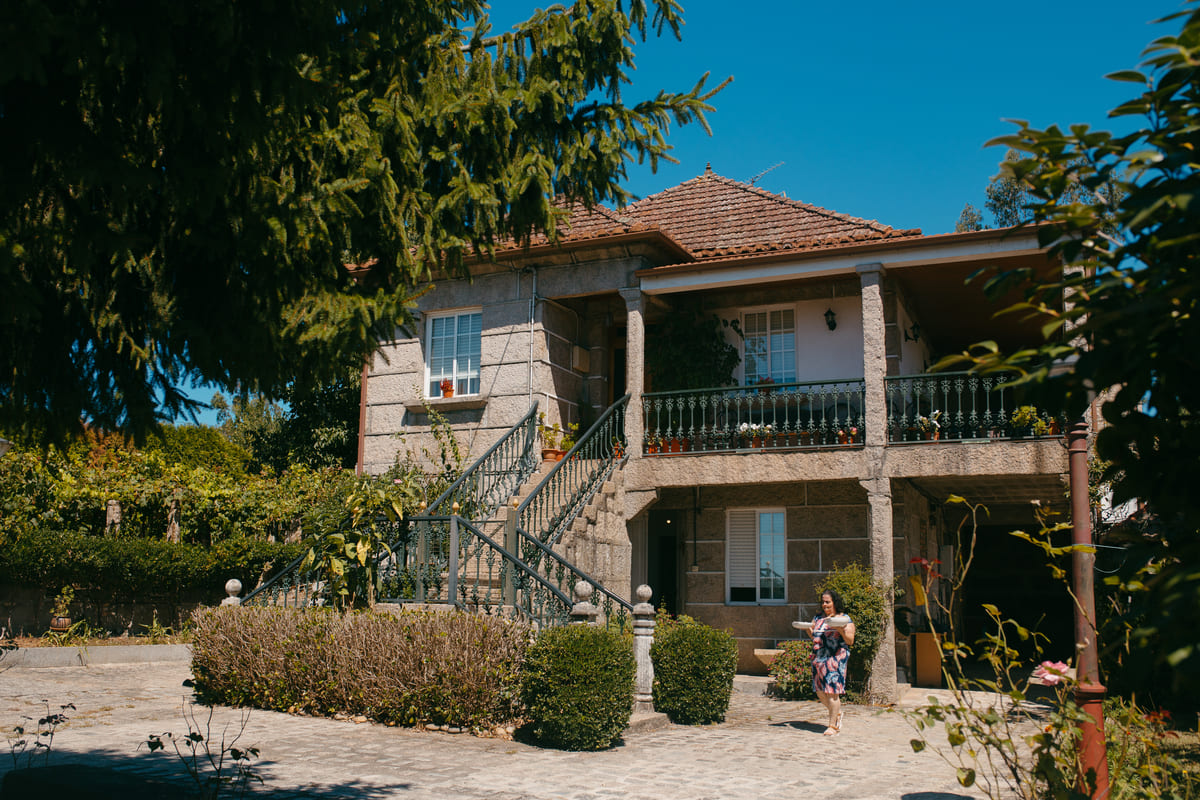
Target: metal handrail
{"type": "Point", "coordinates": [560, 496]}
{"type": "Point", "coordinates": [516, 443]}
{"type": "Point", "coordinates": [525, 431]}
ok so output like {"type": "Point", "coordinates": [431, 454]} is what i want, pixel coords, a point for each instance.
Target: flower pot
{"type": "Point", "coordinates": [60, 624]}
{"type": "Point", "coordinates": [756, 441]}
{"type": "Point", "coordinates": [843, 437]}
{"type": "Point", "coordinates": [806, 438]}
{"type": "Point", "coordinates": [552, 454]}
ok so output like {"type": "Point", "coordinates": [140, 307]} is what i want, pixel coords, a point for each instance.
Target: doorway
{"type": "Point", "coordinates": [662, 567]}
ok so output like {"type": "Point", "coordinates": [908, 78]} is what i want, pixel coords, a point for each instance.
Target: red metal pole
{"type": "Point", "coordinates": [1089, 692]}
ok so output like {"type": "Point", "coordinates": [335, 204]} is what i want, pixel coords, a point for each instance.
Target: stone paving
{"type": "Point", "coordinates": [765, 749]}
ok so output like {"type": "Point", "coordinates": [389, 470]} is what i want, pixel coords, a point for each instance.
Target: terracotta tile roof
{"type": "Point", "coordinates": [593, 223]}
{"type": "Point", "coordinates": [714, 216]}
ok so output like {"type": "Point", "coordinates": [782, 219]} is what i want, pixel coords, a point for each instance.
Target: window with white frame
{"type": "Point", "coordinates": [454, 343]}
{"type": "Point", "coordinates": [770, 345]}
{"type": "Point", "coordinates": [756, 550]}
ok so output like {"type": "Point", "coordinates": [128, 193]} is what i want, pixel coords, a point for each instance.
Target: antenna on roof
{"type": "Point", "coordinates": [754, 180]}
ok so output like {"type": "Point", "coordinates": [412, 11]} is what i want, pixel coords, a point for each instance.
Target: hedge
{"type": "Point", "coordinates": [124, 570]}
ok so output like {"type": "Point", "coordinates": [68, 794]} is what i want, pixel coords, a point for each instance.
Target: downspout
{"type": "Point", "coordinates": [695, 523]}
{"type": "Point", "coordinates": [532, 311]}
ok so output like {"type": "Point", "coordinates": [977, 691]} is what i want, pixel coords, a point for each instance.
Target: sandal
{"type": "Point", "coordinates": [836, 727]}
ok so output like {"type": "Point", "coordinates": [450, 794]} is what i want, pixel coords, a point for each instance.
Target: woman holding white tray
{"type": "Point", "coordinates": [833, 634]}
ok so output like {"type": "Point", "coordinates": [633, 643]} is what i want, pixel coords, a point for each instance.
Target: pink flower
{"type": "Point", "coordinates": [1051, 673]}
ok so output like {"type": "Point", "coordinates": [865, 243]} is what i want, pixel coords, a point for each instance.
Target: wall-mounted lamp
{"type": "Point", "coordinates": [915, 330]}
{"type": "Point", "coordinates": [831, 319]}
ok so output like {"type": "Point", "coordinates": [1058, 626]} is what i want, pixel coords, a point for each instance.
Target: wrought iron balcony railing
{"type": "Point", "coordinates": [792, 415]}
{"type": "Point", "coordinates": [962, 405]}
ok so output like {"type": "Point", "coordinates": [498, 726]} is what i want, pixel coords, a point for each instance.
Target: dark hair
{"type": "Point", "coordinates": [838, 608]}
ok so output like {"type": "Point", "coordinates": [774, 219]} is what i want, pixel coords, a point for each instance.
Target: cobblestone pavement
{"type": "Point", "coordinates": [765, 749]}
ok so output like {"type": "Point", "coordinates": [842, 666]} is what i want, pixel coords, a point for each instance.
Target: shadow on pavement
{"type": "Point", "coordinates": [113, 775]}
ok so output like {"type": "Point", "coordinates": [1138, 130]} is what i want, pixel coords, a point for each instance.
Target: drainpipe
{"type": "Point", "coordinates": [532, 312]}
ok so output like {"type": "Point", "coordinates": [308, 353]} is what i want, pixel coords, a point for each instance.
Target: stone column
{"type": "Point", "coordinates": [635, 366]}
{"type": "Point", "coordinates": [112, 516]}
{"type": "Point", "coordinates": [874, 354]}
{"type": "Point", "coordinates": [879, 491]}
{"type": "Point", "coordinates": [643, 637]}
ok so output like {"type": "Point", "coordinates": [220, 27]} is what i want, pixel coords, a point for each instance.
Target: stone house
{"type": "Point", "coordinates": [832, 443]}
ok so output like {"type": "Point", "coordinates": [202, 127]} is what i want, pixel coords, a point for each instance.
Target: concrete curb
{"type": "Point", "coordinates": [99, 654]}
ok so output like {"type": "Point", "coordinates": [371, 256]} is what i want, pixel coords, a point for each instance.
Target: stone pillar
{"type": "Point", "coordinates": [583, 612]}
{"type": "Point", "coordinates": [233, 587]}
{"type": "Point", "coordinates": [112, 516]}
{"type": "Point", "coordinates": [643, 637]}
{"type": "Point", "coordinates": [874, 354]}
{"type": "Point", "coordinates": [635, 367]}
{"type": "Point", "coordinates": [879, 491]}
{"type": "Point", "coordinates": [174, 516]}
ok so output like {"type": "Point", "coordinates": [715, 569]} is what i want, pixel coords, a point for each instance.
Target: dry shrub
{"type": "Point", "coordinates": [456, 669]}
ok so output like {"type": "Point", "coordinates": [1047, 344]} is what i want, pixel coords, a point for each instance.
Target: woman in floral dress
{"type": "Point", "coordinates": [832, 638]}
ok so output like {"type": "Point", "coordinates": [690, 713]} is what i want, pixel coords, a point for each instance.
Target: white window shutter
{"type": "Point", "coordinates": [743, 548]}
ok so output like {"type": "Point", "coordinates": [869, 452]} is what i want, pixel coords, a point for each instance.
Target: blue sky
{"type": "Point", "coordinates": [881, 109]}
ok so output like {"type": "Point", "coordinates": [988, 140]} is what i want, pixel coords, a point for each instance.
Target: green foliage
{"type": "Point", "coordinates": [1132, 328]}
{"type": "Point", "coordinates": [577, 687]}
{"type": "Point", "coordinates": [398, 135]}
{"type": "Point", "coordinates": [192, 446]}
{"type": "Point", "coordinates": [969, 220]}
{"type": "Point", "coordinates": [455, 669]}
{"type": "Point", "coordinates": [792, 671]}
{"type": "Point", "coordinates": [316, 425]}
{"type": "Point", "coordinates": [347, 541]}
{"type": "Point", "coordinates": [108, 570]}
{"type": "Point", "coordinates": [688, 350]}
{"type": "Point", "coordinates": [62, 602]}
{"type": "Point", "coordinates": [694, 667]}
{"type": "Point", "coordinates": [869, 604]}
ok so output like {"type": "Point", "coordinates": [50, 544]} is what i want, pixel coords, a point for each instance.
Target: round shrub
{"type": "Point", "coordinates": [577, 687]}
{"type": "Point", "coordinates": [868, 605]}
{"type": "Point", "coordinates": [693, 670]}
{"type": "Point", "coordinates": [792, 671]}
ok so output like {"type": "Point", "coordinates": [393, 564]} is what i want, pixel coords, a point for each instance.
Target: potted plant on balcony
{"type": "Point", "coordinates": [1023, 421]}
{"type": "Point", "coordinates": [447, 387]}
{"type": "Point", "coordinates": [931, 426]}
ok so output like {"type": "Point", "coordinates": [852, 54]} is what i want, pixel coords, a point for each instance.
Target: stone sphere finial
{"type": "Point", "coordinates": [233, 587]}
{"type": "Point", "coordinates": [583, 590]}
{"type": "Point", "coordinates": [643, 593]}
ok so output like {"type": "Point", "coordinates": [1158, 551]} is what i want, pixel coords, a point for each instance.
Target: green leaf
{"type": "Point", "coordinates": [966, 776]}
{"type": "Point", "coordinates": [917, 745]}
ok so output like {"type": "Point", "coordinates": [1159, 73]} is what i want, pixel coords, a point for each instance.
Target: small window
{"type": "Point", "coordinates": [757, 555]}
{"type": "Point", "coordinates": [770, 346]}
{"type": "Point", "coordinates": [454, 345]}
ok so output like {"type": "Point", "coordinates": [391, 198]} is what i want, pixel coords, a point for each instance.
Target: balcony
{"type": "Point", "coordinates": [822, 415]}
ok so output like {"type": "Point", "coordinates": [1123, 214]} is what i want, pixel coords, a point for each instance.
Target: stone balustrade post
{"type": "Point", "coordinates": [583, 612]}
{"type": "Point", "coordinates": [643, 637]}
{"type": "Point", "coordinates": [233, 588]}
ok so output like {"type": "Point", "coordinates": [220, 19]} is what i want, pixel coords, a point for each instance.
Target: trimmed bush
{"type": "Point", "coordinates": [792, 671]}
{"type": "Point", "coordinates": [578, 687]}
{"type": "Point", "coordinates": [694, 667]}
{"type": "Point", "coordinates": [416, 667]}
{"type": "Point", "coordinates": [868, 605]}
